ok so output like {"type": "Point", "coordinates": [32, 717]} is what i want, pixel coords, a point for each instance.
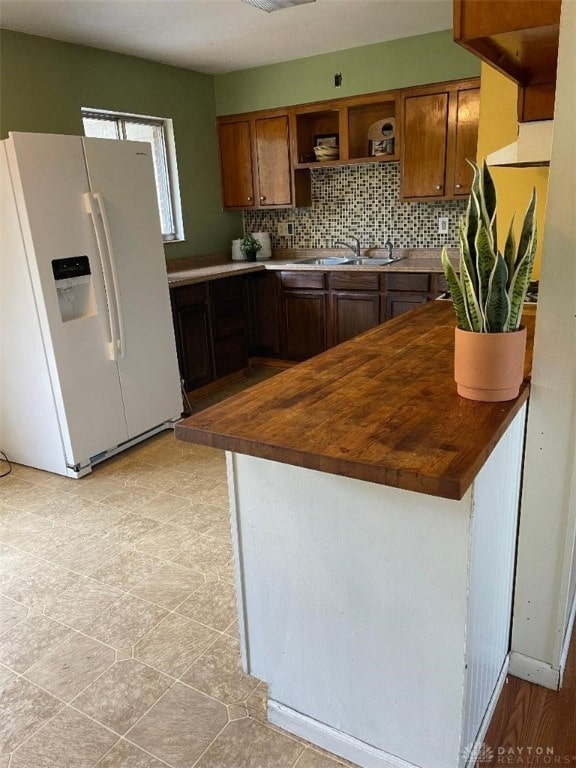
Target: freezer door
{"type": "Point", "coordinates": [121, 178]}
{"type": "Point", "coordinates": [50, 180]}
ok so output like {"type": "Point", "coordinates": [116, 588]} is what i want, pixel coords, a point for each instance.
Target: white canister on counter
{"type": "Point", "coordinates": [237, 254]}
{"type": "Point", "coordinates": [264, 240]}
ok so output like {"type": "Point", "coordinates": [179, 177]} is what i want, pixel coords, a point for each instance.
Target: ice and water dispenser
{"type": "Point", "coordinates": [74, 287]}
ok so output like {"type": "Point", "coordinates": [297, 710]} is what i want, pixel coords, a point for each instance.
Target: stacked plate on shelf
{"type": "Point", "coordinates": [324, 152]}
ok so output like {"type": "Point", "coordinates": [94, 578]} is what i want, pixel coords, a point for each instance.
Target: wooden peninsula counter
{"type": "Point", "coordinates": [374, 517]}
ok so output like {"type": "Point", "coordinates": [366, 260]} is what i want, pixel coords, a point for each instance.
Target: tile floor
{"type": "Point", "coordinates": [118, 632]}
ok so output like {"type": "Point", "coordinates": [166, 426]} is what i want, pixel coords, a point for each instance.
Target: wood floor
{"type": "Point", "coordinates": [534, 726]}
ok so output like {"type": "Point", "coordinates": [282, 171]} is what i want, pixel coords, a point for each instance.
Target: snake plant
{"type": "Point", "coordinates": [491, 286]}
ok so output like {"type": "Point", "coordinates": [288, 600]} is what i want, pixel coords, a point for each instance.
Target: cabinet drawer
{"type": "Point", "coordinates": [188, 295]}
{"type": "Point", "coordinates": [407, 281]}
{"type": "Point", "coordinates": [355, 281]}
{"type": "Point", "coordinates": [438, 283]}
{"type": "Point", "coordinates": [303, 279]}
{"type": "Point", "coordinates": [226, 287]}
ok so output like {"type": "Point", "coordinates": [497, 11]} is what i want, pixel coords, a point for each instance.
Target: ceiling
{"type": "Point", "coordinates": [218, 36]}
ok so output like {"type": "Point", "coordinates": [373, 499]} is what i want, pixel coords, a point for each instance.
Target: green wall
{"type": "Point", "coordinates": [44, 83]}
{"type": "Point", "coordinates": [384, 66]}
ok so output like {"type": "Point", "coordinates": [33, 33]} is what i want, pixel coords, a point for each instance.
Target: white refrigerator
{"type": "Point", "coordinates": [88, 361]}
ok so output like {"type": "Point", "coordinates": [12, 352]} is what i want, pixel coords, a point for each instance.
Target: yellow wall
{"type": "Point", "coordinates": [498, 127]}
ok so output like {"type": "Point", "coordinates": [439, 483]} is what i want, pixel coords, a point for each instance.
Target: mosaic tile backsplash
{"type": "Point", "coordinates": [363, 201]}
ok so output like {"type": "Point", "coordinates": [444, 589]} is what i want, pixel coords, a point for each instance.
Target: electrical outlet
{"type": "Point", "coordinates": [443, 225]}
{"type": "Point", "coordinates": [286, 228]}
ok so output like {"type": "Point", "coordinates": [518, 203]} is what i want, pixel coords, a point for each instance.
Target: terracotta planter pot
{"type": "Point", "coordinates": [489, 366]}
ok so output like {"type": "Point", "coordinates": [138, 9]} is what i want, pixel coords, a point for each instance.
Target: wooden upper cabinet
{"type": "Point", "coordinates": [273, 160]}
{"type": "Point", "coordinates": [266, 156]}
{"type": "Point", "coordinates": [236, 164]}
{"type": "Point", "coordinates": [440, 131]}
{"type": "Point", "coordinates": [424, 147]}
{"type": "Point", "coordinates": [520, 39]}
{"type": "Point", "coordinates": [466, 138]}
{"type": "Point", "coordinates": [255, 162]}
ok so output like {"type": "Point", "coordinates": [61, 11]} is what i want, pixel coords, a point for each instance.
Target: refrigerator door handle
{"type": "Point", "coordinates": [112, 260]}
{"type": "Point", "coordinates": [94, 206]}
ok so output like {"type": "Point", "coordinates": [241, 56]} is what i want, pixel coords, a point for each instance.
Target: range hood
{"type": "Point", "coordinates": [533, 147]}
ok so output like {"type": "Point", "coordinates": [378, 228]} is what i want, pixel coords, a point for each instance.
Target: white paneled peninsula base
{"type": "Point", "coordinates": [379, 618]}
{"type": "Point", "coordinates": [374, 544]}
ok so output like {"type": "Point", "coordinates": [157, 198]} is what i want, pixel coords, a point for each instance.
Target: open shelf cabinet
{"type": "Point", "coordinates": [349, 122]}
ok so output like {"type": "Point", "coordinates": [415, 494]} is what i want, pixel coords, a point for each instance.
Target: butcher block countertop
{"type": "Point", "coordinates": [381, 407]}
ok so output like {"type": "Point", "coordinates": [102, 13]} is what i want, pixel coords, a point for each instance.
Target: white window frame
{"type": "Point", "coordinates": [171, 163]}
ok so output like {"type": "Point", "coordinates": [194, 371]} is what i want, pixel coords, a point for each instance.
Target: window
{"type": "Point", "coordinates": [157, 132]}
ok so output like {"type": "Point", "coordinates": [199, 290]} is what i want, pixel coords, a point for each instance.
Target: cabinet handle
{"type": "Point", "coordinates": [262, 198]}
{"type": "Point", "coordinates": [437, 186]}
{"type": "Point", "coordinates": [249, 199]}
{"type": "Point", "coordinates": [458, 186]}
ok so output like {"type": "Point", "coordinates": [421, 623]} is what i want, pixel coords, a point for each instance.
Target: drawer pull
{"type": "Point", "coordinates": [437, 186]}
{"type": "Point", "coordinates": [458, 186]}
{"type": "Point", "coordinates": [262, 198]}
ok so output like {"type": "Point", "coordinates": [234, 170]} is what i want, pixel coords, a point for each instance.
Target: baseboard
{"type": "Point", "coordinates": [473, 752]}
{"type": "Point", "coordinates": [214, 386]}
{"type": "Point", "coordinates": [540, 672]}
{"type": "Point", "coordinates": [329, 738]}
{"type": "Point", "coordinates": [534, 671]}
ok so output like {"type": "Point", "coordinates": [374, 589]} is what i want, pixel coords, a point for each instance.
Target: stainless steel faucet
{"type": "Point", "coordinates": [389, 246]}
{"type": "Point", "coordinates": [354, 248]}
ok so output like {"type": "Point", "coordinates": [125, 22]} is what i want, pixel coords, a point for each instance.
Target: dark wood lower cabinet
{"type": "Point", "coordinates": [229, 326]}
{"type": "Point", "coordinates": [292, 315]}
{"type": "Point", "coordinates": [193, 336]}
{"type": "Point", "coordinates": [263, 314]}
{"type": "Point", "coordinates": [408, 290]}
{"type": "Point", "coordinates": [191, 315]}
{"type": "Point", "coordinates": [303, 324]}
{"type": "Point", "coordinates": [211, 330]}
{"type": "Point", "coordinates": [398, 302]}
{"type": "Point", "coordinates": [352, 313]}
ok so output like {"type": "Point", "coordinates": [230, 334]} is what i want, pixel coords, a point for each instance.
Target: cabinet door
{"type": "Point", "coordinates": [230, 355]}
{"type": "Point", "coordinates": [398, 302]}
{"type": "Point", "coordinates": [273, 161]}
{"type": "Point", "coordinates": [236, 164]}
{"type": "Point", "coordinates": [229, 325]}
{"type": "Point", "coordinates": [263, 301]}
{"type": "Point", "coordinates": [424, 145]}
{"type": "Point", "coordinates": [304, 324]}
{"type": "Point", "coordinates": [193, 345]}
{"type": "Point", "coordinates": [352, 314]}
{"type": "Point", "coordinates": [467, 115]}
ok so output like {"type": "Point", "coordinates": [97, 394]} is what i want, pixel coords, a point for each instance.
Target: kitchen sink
{"type": "Point", "coordinates": [335, 261]}
{"type": "Point", "coordinates": [327, 261]}
{"type": "Point", "coordinates": [367, 261]}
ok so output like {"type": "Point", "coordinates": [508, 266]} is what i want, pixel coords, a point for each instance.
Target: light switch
{"type": "Point", "coordinates": [286, 228]}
